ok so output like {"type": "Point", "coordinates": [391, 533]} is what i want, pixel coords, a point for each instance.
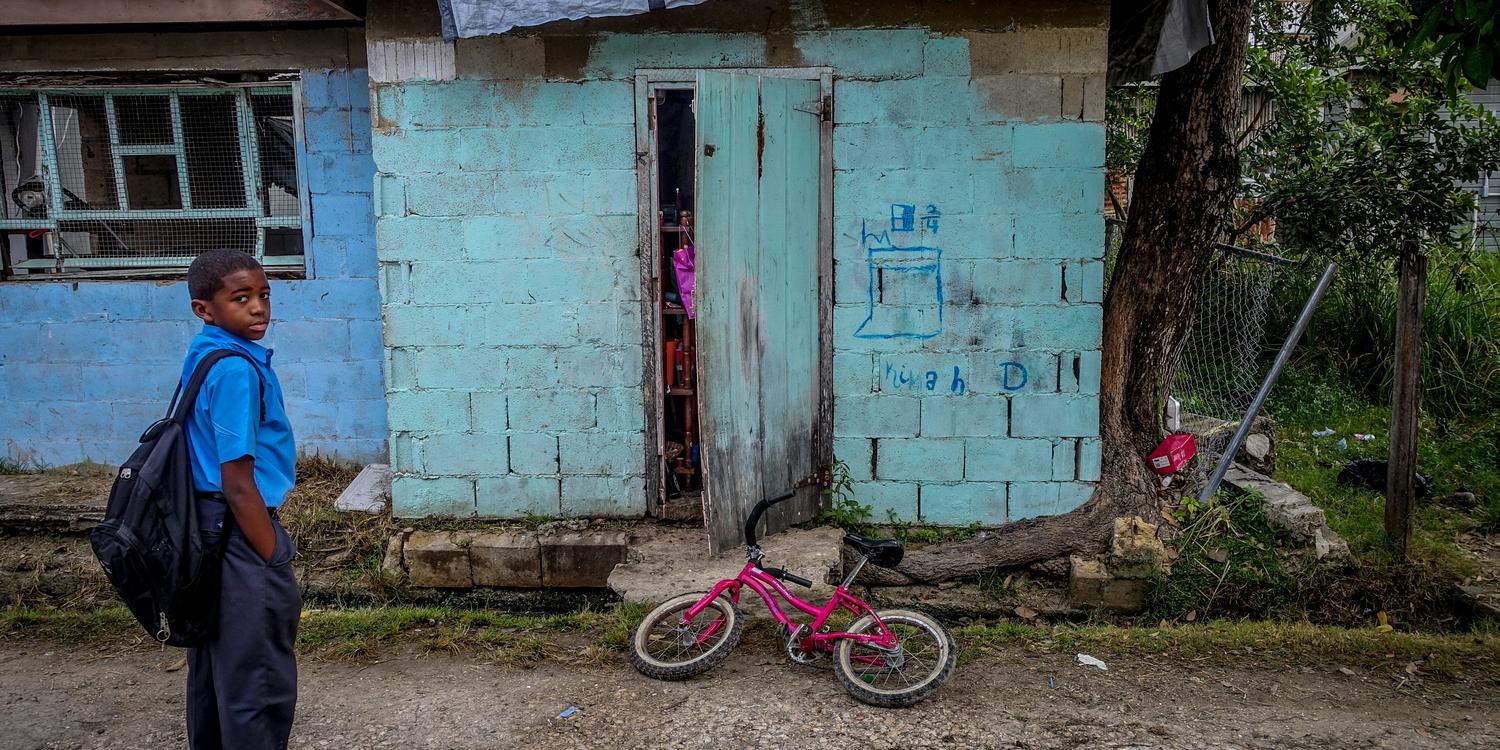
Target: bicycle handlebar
{"type": "Point", "coordinates": [760, 510]}
{"type": "Point", "coordinates": [785, 576]}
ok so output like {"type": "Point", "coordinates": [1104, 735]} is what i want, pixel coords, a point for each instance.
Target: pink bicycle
{"type": "Point", "coordinates": [890, 658]}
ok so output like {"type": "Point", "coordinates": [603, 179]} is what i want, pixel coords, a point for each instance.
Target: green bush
{"type": "Point", "coordinates": [1354, 332]}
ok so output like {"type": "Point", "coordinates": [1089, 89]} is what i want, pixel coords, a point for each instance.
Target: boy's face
{"type": "Point", "coordinates": [242, 306]}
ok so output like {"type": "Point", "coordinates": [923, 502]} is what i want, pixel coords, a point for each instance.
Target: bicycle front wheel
{"type": "Point", "coordinates": [920, 663]}
{"type": "Point", "coordinates": [666, 647]}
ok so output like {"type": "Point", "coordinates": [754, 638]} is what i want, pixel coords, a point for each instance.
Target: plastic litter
{"type": "Point", "coordinates": [1342, 444]}
{"type": "Point", "coordinates": [569, 711]}
{"type": "Point", "coordinates": [1385, 622]}
{"type": "Point", "coordinates": [1325, 432]}
{"type": "Point", "coordinates": [1363, 437]}
{"type": "Point", "coordinates": [1173, 454]}
{"type": "Point", "coordinates": [1089, 661]}
{"type": "Point", "coordinates": [1051, 683]}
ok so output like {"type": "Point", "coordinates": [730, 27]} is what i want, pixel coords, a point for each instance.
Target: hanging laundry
{"type": "Point", "coordinates": [683, 265]}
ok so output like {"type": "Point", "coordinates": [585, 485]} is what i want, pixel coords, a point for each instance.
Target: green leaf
{"type": "Point", "coordinates": [1477, 65]}
{"type": "Point", "coordinates": [1428, 29]}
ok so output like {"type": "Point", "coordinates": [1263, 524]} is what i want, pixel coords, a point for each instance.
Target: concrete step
{"type": "Point", "coordinates": [665, 561]}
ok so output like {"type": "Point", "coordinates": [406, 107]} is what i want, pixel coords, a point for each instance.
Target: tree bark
{"type": "Point", "coordinates": [1185, 185]}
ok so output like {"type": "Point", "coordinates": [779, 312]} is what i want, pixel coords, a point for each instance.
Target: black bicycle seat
{"type": "Point", "coordinates": [883, 552]}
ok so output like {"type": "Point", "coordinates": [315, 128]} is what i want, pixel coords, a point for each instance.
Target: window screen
{"type": "Point", "coordinates": [121, 181]}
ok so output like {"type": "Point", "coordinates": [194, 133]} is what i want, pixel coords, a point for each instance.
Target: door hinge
{"type": "Point", "coordinates": [821, 108]}
{"type": "Point", "coordinates": [821, 478]}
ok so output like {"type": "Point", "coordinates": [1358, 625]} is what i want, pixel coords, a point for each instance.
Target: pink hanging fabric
{"type": "Point", "coordinates": [683, 265]}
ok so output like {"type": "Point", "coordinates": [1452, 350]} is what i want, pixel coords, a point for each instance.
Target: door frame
{"type": "Point", "coordinates": [647, 82]}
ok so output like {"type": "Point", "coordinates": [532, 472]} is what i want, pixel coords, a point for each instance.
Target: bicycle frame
{"type": "Point", "coordinates": [769, 588]}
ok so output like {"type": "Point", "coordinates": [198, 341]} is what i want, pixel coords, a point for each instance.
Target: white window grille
{"type": "Point", "coordinates": [137, 181]}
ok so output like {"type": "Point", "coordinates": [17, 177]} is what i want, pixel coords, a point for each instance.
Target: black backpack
{"type": "Point", "coordinates": [151, 542]}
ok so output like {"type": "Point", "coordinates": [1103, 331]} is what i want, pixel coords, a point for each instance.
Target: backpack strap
{"type": "Point", "coordinates": [186, 395]}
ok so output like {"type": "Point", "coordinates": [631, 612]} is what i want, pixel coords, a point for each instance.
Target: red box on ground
{"type": "Point", "coordinates": [1173, 454]}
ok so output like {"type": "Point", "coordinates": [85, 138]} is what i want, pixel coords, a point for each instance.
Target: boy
{"type": "Point", "coordinates": [242, 685]}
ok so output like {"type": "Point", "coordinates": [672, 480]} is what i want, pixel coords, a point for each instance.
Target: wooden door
{"type": "Point", "coordinates": [757, 296]}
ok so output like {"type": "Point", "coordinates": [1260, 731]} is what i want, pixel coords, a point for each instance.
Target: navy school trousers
{"type": "Point", "coordinates": [242, 685]}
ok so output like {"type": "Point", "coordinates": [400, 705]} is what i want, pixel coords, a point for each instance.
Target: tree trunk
{"type": "Point", "coordinates": [1184, 187]}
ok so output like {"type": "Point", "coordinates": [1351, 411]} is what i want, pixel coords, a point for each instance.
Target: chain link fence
{"type": "Point", "coordinates": [1225, 357]}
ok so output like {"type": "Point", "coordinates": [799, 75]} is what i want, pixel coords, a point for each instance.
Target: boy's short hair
{"type": "Point", "coordinates": [206, 274]}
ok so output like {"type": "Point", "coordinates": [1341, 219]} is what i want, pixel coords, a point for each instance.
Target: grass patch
{"type": "Point", "coordinates": [599, 638]}
{"type": "Point", "coordinates": [353, 544]}
{"type": "Point", "coordinates": [1458, 453]}
{"type": "Point", "coordinates": [336, 634]}
{"type": "Point", "coordinates": [10, 466]}
{"type": "Point", "coordinates": [1232, 561]}
{"type": "Point", "coordinates": [1449, 654]}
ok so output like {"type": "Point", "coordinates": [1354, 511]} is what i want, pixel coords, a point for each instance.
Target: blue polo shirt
{"type": "Point", "coordinates": [226, 422]}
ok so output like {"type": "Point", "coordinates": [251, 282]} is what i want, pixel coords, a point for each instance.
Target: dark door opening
{"type": "Point", "coordinates": [681, 462]}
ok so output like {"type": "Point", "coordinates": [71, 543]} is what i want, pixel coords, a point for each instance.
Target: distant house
{"type": "Point", "coordinates": [1487, 188]}
{"type": "Point", "coordinates": [895, 212]}
{"type": "Point", "coordinates": [129, 146]}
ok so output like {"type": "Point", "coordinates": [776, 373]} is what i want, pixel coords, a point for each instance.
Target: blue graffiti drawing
{"type": "Point", "coordinates": [930, 218]}
{"type": "Point", "coordinates": [903, 217]}
{"type": "Point", "coordinates": [906, 284]}
{"type": "Point", "coordinates": [903, 377]}
{"type": "Point", "coordinates": [958, 386]}
{"type": "Point", "coordinates": [1009, 372]}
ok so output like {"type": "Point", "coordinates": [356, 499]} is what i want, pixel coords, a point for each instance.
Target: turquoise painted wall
{"type": "Point", "coordinates": [968, 200]}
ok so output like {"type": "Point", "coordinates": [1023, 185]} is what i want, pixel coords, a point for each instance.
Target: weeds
{"type": "Point", "coordinates": [12, 466]}
{"type": "Point", "coordinates": [1229, 563]}
{"type": "Point", "coordinates": [841, 508]}
{"type": "Point", "coordinates": [592, 638]}
{"type": "Point", "coordinates": [353, 544]}
{"type": "Point", "coordinates": [1353, 337]}
{"type": "Point", "coordinates": [1446, 655]}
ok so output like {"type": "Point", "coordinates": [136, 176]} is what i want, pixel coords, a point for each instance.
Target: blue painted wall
{"type": "Point", "coordinates": [968, 201]}
{"type": "Point", "coordinates": [85, 366]}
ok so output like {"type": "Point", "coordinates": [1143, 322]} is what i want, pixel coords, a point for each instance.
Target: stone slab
{"type": "Point", "coordinates": [1291, 510]}
{"type": "Point", "coordinates": [438, 559]}
{"type": "Point", "coordinates": [667, 561]}
{"type": "Point", "coordinates": [509, 559]}
{"type": "Point", "coordinates": [581, 559]}
{"type": "Point", "coordinates": [368, 493]}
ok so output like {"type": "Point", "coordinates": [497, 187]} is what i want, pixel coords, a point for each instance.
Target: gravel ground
{"type": "Point", "coordinates": [75, 699]}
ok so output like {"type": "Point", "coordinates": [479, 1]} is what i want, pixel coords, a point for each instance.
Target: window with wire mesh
{"type": "Point", "coordinates": [139, 181]}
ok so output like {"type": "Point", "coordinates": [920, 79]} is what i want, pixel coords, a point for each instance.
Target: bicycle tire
{"type": "Point", "coordinates": [860, 684]}
{"type": "Point", "coordinates": [655, 666]}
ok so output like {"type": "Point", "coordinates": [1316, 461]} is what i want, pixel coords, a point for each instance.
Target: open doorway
{"type": "Point", "coordinates": [736, 207]}
{"type": "Point", "coordinates": [676, 409]}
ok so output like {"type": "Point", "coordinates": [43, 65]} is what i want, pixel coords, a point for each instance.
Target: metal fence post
{"type": "Point", "coordinates": [1282, 357]}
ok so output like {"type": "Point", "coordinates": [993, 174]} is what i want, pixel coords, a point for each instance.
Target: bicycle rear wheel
{"type": "Point", "coordinates": [667, 648]}
{"type": "Point", "coordinates": [919, 665]}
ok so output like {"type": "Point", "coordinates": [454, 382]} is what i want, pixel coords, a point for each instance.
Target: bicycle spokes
{"type": "Point", "coordinates": [688, 638]}
{"type": "Point", "coordinates": [708, 632]}
{"type": "Point", "coordinates": [910, 662]}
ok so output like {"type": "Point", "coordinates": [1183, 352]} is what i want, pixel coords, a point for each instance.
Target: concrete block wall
{"type": "Point", "coordinates": [507, 242]}
{"type": "Point", "coordinates": [968, 243]}
{"type": "Point", "coordinates": [85, 366]}
{"type": "Point", "coordinates": [968, 393]}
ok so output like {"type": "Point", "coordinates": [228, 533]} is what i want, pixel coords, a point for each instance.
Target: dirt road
{"type": "Point", "coordinates": [51, 698]}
